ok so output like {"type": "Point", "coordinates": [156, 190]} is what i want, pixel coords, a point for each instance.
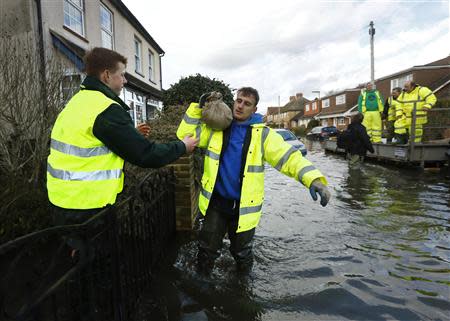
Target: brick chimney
{"type": "Point", "coordinates": [299, 95]}
{"type": "Point", "coordinates": [291, 98]}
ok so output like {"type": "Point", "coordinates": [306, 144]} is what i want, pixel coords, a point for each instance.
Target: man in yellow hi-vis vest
{"type": "Point", "coordinates": [418, 98]}
{"type": "Point", "coordinates": [93, 136]}
{"type": "Point", "coordinates": [232, 190]}
{"type": "Point", "coordinates": [370, 104]}
{"type": "Point", "coordinates": [389, 113]}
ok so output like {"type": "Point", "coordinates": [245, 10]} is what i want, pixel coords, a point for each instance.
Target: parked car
{"type": "Point", "coordinates": [322, 132]}
{"type": "Point", "coordinates": [291, 139]}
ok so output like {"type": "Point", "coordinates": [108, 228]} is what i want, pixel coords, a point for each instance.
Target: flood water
{"type": "Point", "coordinates": [380, 250]}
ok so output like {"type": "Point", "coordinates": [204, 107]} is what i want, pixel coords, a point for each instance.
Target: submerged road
{"type": "Point", "coordinates": [379, 251]}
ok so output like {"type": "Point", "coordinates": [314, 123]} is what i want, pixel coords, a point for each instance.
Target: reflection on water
{"type": "Point", "coordinates": [379, 251]}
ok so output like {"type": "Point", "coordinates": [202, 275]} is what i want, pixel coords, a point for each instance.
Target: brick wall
{"type": "Point", "coordinates": [186, 193]}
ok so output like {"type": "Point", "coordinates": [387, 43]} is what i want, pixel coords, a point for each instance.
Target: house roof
{"type": "Point", "coordinates": [335, 110]}
{"type": "Point", "coordinates": [296, 104]}
{"type": "Point", "coordinates": [272, 110]}
{"type": "Point", "coordinates": [438, 64]}
{"type": "Point", "coordinates": [298, 115]}
{"type": "Point", "coordinates": [136, 24]}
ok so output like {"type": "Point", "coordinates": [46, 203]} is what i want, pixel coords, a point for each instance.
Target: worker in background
{"type": "Point", "coordinates": [419, 99]}
{"type": "Point", "coordinates": [232, 191]}
{"type": "Point", "coordinates": [389, 113]}
{"type": "Point", "coordinates": [358, 141]}
{"type": "Point", "coordinates": [92, 138]}
{"type": "Point", "coordinates": [370, 104]}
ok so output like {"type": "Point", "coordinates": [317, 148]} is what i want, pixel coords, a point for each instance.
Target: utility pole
{"type": "Point", "coordinates": [372, 69]}
{"type": "Point", "coordinates": [279, 109]}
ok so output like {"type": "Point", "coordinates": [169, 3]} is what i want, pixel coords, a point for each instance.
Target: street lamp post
{"type": "Point", "coordinates": [316, 92]}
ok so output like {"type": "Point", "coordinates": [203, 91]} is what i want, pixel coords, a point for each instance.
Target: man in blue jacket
{"type": "Point", "coordinates": [232, 191]}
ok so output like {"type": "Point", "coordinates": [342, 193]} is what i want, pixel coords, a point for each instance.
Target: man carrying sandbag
{"type": "Point", "coordinates": [232, 191]}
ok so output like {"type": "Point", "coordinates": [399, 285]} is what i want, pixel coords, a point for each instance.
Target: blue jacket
{"type": "Point", "coordinates": [228, 183]}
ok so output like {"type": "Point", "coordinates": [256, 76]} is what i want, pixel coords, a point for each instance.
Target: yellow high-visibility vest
{"type": "Point", "coordinates": [422, 98]}
{"type": "Point", "coordinates": [392, 107]}
{"type": "Point", "coordinates": [82, 173]}
{"type": "Point", "coordinates": [265, 145]}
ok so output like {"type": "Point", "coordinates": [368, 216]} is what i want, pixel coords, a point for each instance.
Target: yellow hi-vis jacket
{"type": "Point", "coordinates": [265, 145]}
{"type": "Point", "coordinates": [422, 98]}
{"type": "Point", "coordinates": [82, 173]}
{"type": "Point", "coordinates": [392, 108]}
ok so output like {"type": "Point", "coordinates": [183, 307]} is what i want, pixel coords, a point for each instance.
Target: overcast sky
{"type": "Point", "coordinates": [289, 46]}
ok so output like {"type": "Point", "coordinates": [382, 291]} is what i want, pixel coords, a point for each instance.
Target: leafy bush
{"type": "Point", "coordinates": [300, 131]}
{"type": "Point", "coordinates": [311, 124]}
{"type": "Point", "coordinates": [189, 89]}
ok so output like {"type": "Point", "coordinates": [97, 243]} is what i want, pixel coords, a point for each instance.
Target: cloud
{"type": "Point", "coordinates": [282, 48]}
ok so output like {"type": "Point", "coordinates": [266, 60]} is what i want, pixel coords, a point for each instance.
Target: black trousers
{"type": "Point", "coordinates": [221, 217]}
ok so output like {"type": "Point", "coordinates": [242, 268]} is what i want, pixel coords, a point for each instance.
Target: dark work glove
{"type": "Point", "coordinates": [317, 187]}
{"type": "Point", "coordinates": [203, 99]}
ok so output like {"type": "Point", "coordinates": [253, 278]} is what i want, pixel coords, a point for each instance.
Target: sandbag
{"type": "Point", "coordinates": [216, 114]}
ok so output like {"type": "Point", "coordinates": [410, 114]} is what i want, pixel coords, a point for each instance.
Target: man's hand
{"type": "Point", "coordinates": [144, 129]}
{"type": "Point", "coordinates": [318, 187]}
{"type": "Point", "coordinates": [190, 143]}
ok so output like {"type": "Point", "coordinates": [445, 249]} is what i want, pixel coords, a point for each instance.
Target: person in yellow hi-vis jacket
{"type": "Point", "coordinates": [422, 100]}
{"type": "Point", "coordinates": [232, 191]}
{"type": "Point", "coordinates": [92, 138]}
{"type": "Point", "coordinates": [370, 104]}
{"type": "Point", "coordinates": [389, 112]}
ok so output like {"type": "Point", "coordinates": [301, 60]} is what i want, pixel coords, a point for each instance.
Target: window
{"type": "Point", "coordinates": [399, 82]}
{"type": "Point", "coordinates": [307, 107]}
{"type": "Point", "coordinates": [340, 100]}
{"type": "Point", "coordinates": [325, 103]}
{"type": "Point", "coordinates": [314, 105]}
{"type": "Point", "coordinates": [341, 121]}
{"type": "Point", "coordinates": [137, 55]}
{"type": "Point", "coordinates": [106, 24]}
{"type": "Point", "coordinates": [74, 15]}
{"type": "Point", "coordinates": [151, 66]}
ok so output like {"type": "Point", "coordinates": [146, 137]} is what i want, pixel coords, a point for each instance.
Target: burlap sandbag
{"type": "Point", "coordinates": [216, 114]}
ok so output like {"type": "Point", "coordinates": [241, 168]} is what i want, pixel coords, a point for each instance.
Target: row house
{"type": "Point", "coordinates": [273, 116]}
{"type": "Point", "coordinates": [69, 28]}
{"type": "Point", "coordinates": [338, 108]}
{"type": "Point", "coordinates": [311, 110]}
{"type": "Point", "coordinates": [281, 116]}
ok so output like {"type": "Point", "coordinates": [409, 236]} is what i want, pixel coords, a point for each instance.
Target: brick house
{"type": "Point", "coordinates": [336, 108]}
{"type": "Point", "coordinates": [281, 116]}
{"type": "Point", "coordinates": [69, 28]}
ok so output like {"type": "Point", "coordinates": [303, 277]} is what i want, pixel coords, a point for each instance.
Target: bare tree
{"type": "Point", "coordinates": [30, 99]}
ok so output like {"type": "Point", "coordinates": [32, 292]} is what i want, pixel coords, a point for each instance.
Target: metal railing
{"type": "Point", "coordinates": [40, 279]}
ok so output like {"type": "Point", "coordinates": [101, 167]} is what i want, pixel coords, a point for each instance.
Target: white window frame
{"type": "Point", "coordinates": [151, 66]}
{"type": "Point", "coordinates": [314, 106]}
{"type": "Point", "coordinates": [137, 55]}
{"type": "Point", "coordinates": [78, 7]}
{"type": "Point", "coordinates": [341, 121]}
{"type": "Point", "coordinates": [400, 82]}
{"type": "Point", "coordinates": [307, 107]}
{"type": "Point", "coordinates": [340, 100]}
{"type": "Point", "coordinates": [326, 103]}
{"type": "Point", "coordinates": [109, 33]}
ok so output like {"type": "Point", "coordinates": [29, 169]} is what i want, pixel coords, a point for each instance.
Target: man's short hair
{"type": "Point", "coordinates": [249, 91]}
{"type": "Point", "coordinates": [99, 59]}
{"type": "Point", "coordinates": [397, 89]}
{"type": "Point", "coordinates": [358, 118]}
